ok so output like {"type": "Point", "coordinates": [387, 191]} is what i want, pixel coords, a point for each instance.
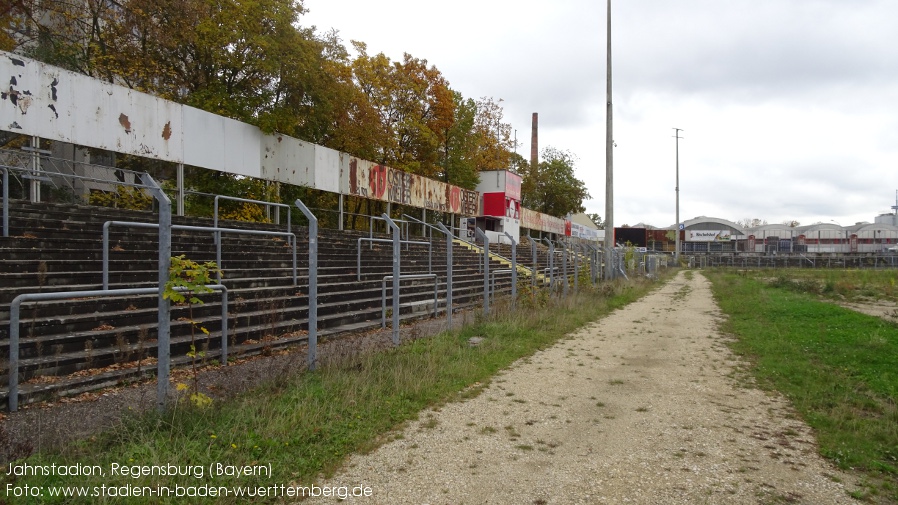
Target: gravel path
{"type": "Point", "coordinates": [644, 406]}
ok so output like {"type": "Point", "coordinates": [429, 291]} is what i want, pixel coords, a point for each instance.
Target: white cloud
{"type": "Point", "coordinates": [788, 107]}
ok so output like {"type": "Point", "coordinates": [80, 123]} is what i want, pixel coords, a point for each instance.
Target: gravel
{"type": "Point", "coordinates": [647, 405]}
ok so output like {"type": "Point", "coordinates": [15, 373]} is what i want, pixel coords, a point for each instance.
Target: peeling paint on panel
{"type": "Point", "coordinates": [125, 122]}
{"type": "Point", "coordinates": [53, 90]}
{"type": "Point", "coordinates": [15, 126]}
{"type": "Point", "coordinates": [51, 107]}
{"type": "Point", "coordinates": [17, 62]}
{"type": "Point", "coordinates": [12, 95]}
{"type": "Point", "coordinates": [25, 103]}
{"type": "Point", "coordinates": [166, 131]}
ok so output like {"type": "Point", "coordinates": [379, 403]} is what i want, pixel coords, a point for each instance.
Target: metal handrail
{"type": "Point", "coordinates": [383, 293]}
{"type": "Point", "coordinates": [397, 263]}
{"type": "Point", "coordinates": [514, 268]}
{"type": "Point", "coordinates": [486, 269]}
{"type": "Point", "coordinates": [13, 396]}
{"type": "Point", "coordinates": [551, 262]}
{"type": "Point", "coordinates": [384, 218]}
{"type": "Point", "coordinates": [313, 283]}
{"type": "Point", "coordinates": [29, 170]}
{"type": "Point", "coordinates": [245, 200]}
{"type": "Point", "coordinates": [358, 258]}
{"type": "Point", "coordinates": [448, 233]}
{"type": "Point", "coordinates": [428, 225]}
{"type": "Point", "coordinates": [131, 224]}
{"type": "Point", "coordinates": [493, 274]}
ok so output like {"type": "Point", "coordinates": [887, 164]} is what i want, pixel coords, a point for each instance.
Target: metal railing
{"type": "Point", "coordinates": [217, 231]}
{"type": "Point", "coordinates": [313, 283]}
{"type": "Point", "coordinates": [486, 269]}
{"type": "Point", "coordinates": [383, 293]}
{"type": "Point", "coordinates": [385, 217]}
{"type": "Point", "coordinates": [397, 262]}
{"type": "Point", "coordinates": [493, 274]}
{"type": "Point", "coordinates": [162, 351]}
{"type": "Point", "coordinates": [358, 259]}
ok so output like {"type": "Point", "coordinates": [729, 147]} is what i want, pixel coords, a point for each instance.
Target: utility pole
{"type": "Point", "coordinates": [609, 166]}
{"type": "Point", "coordinates": [678, 137]}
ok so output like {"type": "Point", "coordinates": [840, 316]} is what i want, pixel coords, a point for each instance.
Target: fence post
{"type": "Point", "coordinates": [397, 247]}
{"type": "Point", "coordinates": [551, 263]}
{"type": "Point", "coordinates": [313, 283]}
{"type": "Point", "coordinates": [163, 338]}
{"type": "Point", "coordinates": [535, 264]}
{"type": "Point", "coordinates": [448, 273]}
{"type": "Point", "coordinates": [514, 269]}
{"type": "Point", "coordinates": [486, 269]}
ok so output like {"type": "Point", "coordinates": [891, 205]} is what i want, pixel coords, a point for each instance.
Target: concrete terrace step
{"type": "Point", "coordinates": [63, 251]}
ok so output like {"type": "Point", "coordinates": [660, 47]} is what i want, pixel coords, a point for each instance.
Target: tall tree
{"type": "Point", "coordinates": [460, 141]}
{"type": "Point", "coordinates": [553, 189]}
{"type": "Point", "coordinates": [596, 220]}
{"type": "Point", "coordinates": [414, 106]}
{"type": "Point", "coordinates": [68, 33]}
{"type": "Point", "coordinates": [495, 146]}
{"type": "Point", "coordinates": [749, 222]}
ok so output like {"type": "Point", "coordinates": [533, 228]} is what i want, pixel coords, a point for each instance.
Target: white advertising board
{"type": "Point", "coordinates": [708, 235]}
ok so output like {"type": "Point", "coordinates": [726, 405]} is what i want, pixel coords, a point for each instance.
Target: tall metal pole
{"type": "Point", "coordinates": [678, 137]}
{"type": "Point", "coordinates": [609, 165]}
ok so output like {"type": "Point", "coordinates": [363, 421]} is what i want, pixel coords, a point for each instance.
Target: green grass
{"type": "Point", "coordinates": [305, 425]}
{"type": "Point", "coordinates": [839, 368]}
{"type": "Point", "coordinates": [849, 285]}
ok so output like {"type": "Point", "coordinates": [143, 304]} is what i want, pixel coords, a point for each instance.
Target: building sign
{"type": "Point", "coordinates": [708, 236]}
{"type": "Point", "coordinates": [537, 221]}
{"type": "Point", "coordinates": [513, 186]}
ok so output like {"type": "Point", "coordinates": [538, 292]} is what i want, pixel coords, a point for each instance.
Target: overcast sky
{"type": "Point", "coordinates": [789, 107]}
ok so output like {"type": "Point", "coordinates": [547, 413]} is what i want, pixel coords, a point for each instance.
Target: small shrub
{"type": "Point", "coordinates": [124, 197]}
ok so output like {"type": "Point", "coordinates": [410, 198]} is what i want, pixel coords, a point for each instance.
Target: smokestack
{"type": "Point", "coordinates": [534, 142]}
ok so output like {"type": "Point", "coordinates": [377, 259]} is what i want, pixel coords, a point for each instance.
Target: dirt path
{"type": "Point", "coordinates": [644, 406]}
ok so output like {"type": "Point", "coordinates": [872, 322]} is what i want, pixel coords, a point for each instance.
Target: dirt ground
{"type": "Point", "coordinates": [647, 405]}
{"type": "Point", "coordinates": [879, 308]}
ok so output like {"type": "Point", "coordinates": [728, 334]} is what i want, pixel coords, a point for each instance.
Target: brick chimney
{"type": "Point", "coordinates": [534, 142]}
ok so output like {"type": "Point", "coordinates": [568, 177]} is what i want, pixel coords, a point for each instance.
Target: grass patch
{"type": "Point", "coordinates": [304, 425]}
{"type": "Point", "coordinates": [839, 368]}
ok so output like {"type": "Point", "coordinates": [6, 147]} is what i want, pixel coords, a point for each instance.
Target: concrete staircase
{"type": "Point", "coordinates": [71, 346]}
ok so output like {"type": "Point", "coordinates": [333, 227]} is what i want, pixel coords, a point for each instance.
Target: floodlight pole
{"type": "Point", "coordinates": [609, 165]}
{"type": "Point", "coordinates": [677, 226]}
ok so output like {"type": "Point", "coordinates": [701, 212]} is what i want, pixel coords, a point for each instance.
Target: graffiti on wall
{"type": "Point", "coordinates": [538, 221]}
{"type": "Point", "coordinates": [380, 182]}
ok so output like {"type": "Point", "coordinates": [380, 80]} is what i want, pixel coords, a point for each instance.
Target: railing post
{"type": "Point", "coordinates": [448, 273]}
{"type": "Point", "coordinates": [551, 263]}
{"type": "Point", "coordinates": [163, 338]}
{"type": "Point", "coordinates": [215, 221]}
{"type": "Point", "coordinates": [535, 264]}
{"type": "Point", "coordinates": [514, 269]}
{"type": "Point", "coordinates": [486, 269]}
{"type": "Point", "coordinates": [313, 284]}
{"type": "Point", "coordinates": [564, 255]}
{"type": "Point", "coordinates": [106, 255]}
{"type": "Point", "coordinates": [397, 248]}
{"type": "Point", "coordinates": [180, 182]}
